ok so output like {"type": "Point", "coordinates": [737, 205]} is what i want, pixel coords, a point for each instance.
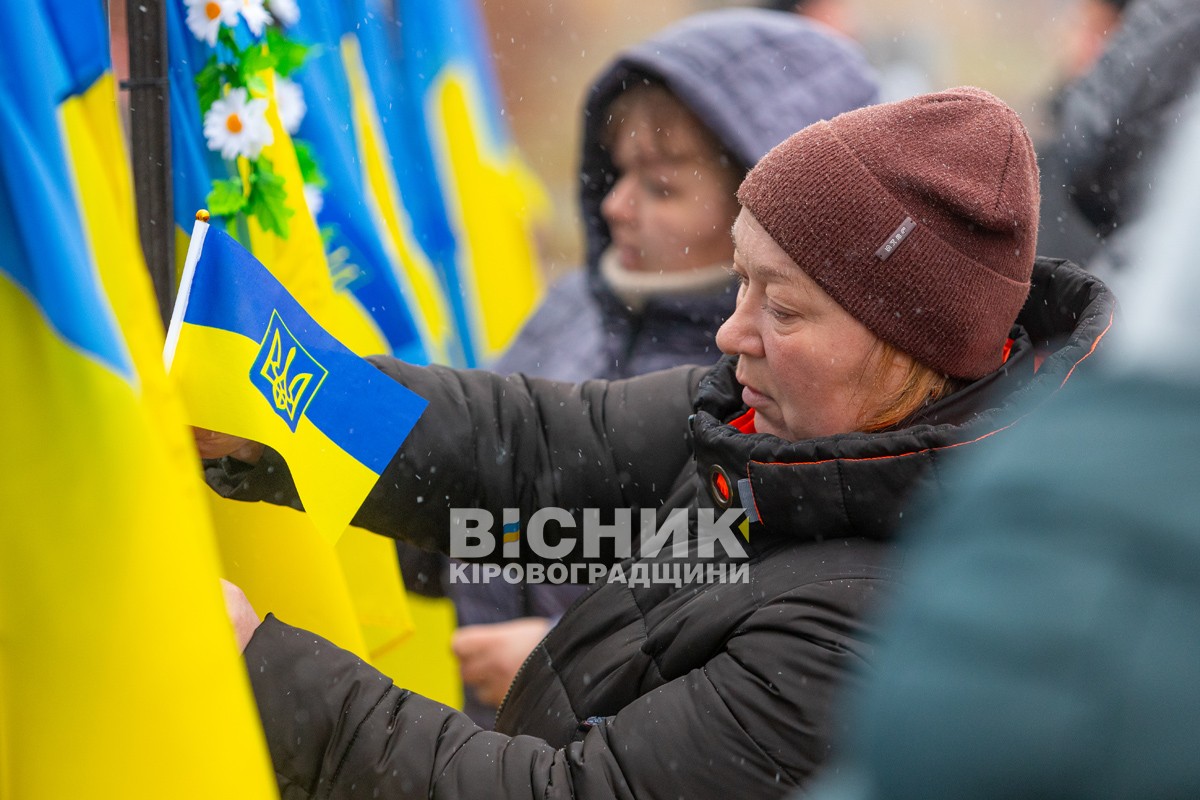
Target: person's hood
{"type": "Point", "coordinates": [754, 77]}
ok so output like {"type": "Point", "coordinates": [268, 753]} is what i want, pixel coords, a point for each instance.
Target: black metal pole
{"type": "Point", "coordinates": [150, 142]}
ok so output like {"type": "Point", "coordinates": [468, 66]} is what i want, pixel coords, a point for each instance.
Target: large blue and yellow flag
{"type": "Point", "coordinates": [399, 168]}
{"type": "Point", "coordinates": [252, 362]}
{"type": "Point", "coordinates": [490, 198]}
{"type": "Point", "coordinates": [119, 674]}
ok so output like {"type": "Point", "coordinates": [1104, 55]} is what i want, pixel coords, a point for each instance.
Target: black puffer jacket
{"type": "Point", "coordinates": [655, 691]}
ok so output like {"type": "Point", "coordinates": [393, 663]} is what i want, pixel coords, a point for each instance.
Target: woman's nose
{"type": "Point", "coordinates": [619, 204]}
{"type": "Point", "coordinates": [737, 335]}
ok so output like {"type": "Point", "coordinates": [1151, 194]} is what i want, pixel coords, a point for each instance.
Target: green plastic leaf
{"type": "Point", "coordinates": [226, 197]}
{"type": "Point", "coordinates": [288, 55]}
{"type": "Point", "coordinates": [226, 38]}
{"type": "Point", "coordinates": [253, 61]}
{"type": "Point", "coordinates": [256, 86]}
{"type": "Point", "coordinates": [310, 170]}
{"type": "Point", "coordinates": [208, 84]}
{"type": "Point", "coordinates": [268, 198]}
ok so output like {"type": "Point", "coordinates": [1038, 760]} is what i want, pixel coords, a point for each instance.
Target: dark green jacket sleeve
{"type": "Point", "coordinates": [494, 442]}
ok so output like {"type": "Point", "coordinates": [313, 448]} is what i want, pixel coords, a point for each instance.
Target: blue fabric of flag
{"type": "Point", "coordinates": [402, 55]}
{"type": "Point", "coordinates": [82, 36]}
{"type": "Point", "coordinates": [193, 165]}
{"type": "Point", "coordinates": [343, 214]}
{"type": "Point", "coordinates": [392, 56]}
{"type": "Point", "coordinates": [35, 193]}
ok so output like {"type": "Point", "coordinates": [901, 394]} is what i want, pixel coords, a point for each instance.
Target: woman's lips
{"type": "Point", "coordinates": [628, 255]}
{"type": "Point", "coordinates": [753, 397]}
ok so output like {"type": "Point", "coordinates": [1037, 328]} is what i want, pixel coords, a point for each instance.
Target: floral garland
{"type": "Point", "coordinates": [234, 99]}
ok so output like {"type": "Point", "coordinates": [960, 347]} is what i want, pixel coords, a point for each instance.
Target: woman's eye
{"type": "Point", "coordinates": [778, 314]}
{"type": "Point", "coordinates": [657, 186]}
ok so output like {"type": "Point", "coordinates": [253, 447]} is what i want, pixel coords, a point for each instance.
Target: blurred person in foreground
{"type": "Point", "coordinates": [1045, 644]}
{"type": "Point", "coordinates": [891, 314]}
{"type": "Point", "coordinates": [670, 127]}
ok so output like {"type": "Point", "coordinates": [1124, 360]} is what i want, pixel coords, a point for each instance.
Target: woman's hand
{"type": "Point", "coordinates": [213, 444]}
{"type": "Point", "coordinates": [241, 613]}
{"type": "Point", "coordinates": [490, 655]}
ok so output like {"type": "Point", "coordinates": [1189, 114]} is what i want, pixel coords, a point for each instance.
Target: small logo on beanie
{"type": "Point", "coordinates": [898, 236]}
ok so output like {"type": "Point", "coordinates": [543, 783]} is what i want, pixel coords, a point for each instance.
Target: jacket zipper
{"type": "Point", "coordinates": [529, 658]}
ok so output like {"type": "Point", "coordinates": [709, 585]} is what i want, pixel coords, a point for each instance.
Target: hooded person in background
{"type": "Point", "coordinates": [670, 127]}
{"type": "Point", "coordinates": [1045, 644]}
{"type": "Point", "coordinates": [883, 258]}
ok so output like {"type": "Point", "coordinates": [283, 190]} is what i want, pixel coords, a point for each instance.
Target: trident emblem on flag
{"type": "Point", "coordinates": [285, 372]}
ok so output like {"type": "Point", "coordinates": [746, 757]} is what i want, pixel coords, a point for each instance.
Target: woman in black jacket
{"type": "Point", "coordinates": [669, 129]}
{"type": "Point", "coordinates": [883, 258]}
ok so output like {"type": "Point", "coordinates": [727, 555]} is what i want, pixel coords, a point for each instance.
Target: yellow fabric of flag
{"type": "Point", "coordinates": [284, 566]}
{"type": "Point", "coordinates": [119, 674]}
{"type": "Point", "coordinates": [492, 200]}
{"type": "Point", "coordinates": [422, 661]}
{"type": "Point", "coordinates": [418, 276]}
{"type": "Point", "coordinates": [381, 605]}
{"type": "Point", "coordinates": [299, 261]}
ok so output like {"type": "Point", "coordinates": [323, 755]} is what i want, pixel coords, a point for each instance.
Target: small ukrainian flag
{"type": "Point", "coordinates": [250, 361]}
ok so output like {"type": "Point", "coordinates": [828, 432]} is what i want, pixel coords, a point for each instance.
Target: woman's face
{"type": "Point", "coordinates": [807, 366]}
{"type": "Point", "coordinates": [673, 199]}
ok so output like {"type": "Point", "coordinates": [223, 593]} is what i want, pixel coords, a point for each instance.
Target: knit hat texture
{"type": "Point", "coordinates": [919, 217]}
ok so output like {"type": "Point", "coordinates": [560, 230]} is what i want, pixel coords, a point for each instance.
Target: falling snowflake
{"type": "Point", "coordinates": [205, 18]}
{"type": "Point", "coordinates": [286, 11]}
{"type": "Point", "coordinates": [257, 17]}
{"type": "Point", "coordinates": [237, 126]}
{"type": "Point", "coordinates": [289, 99]}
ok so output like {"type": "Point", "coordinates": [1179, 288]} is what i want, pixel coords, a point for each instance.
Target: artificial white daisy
{"type": "Point", "coordinates": [289, 100]}
{"type": "Point", "coordinates": [286, 11]}
{"type": "Point", "coordinates": [256, 15]}
{"type": "Point", "coordinates": [314, 198]}
{"type": "Point", "coordinates": [205, 18]}
{"type": "Point", "coordinates": [237, 126]}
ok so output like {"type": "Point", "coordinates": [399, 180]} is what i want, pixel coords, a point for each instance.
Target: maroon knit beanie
{"type": "Point", "coordinates": [918, 217]}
